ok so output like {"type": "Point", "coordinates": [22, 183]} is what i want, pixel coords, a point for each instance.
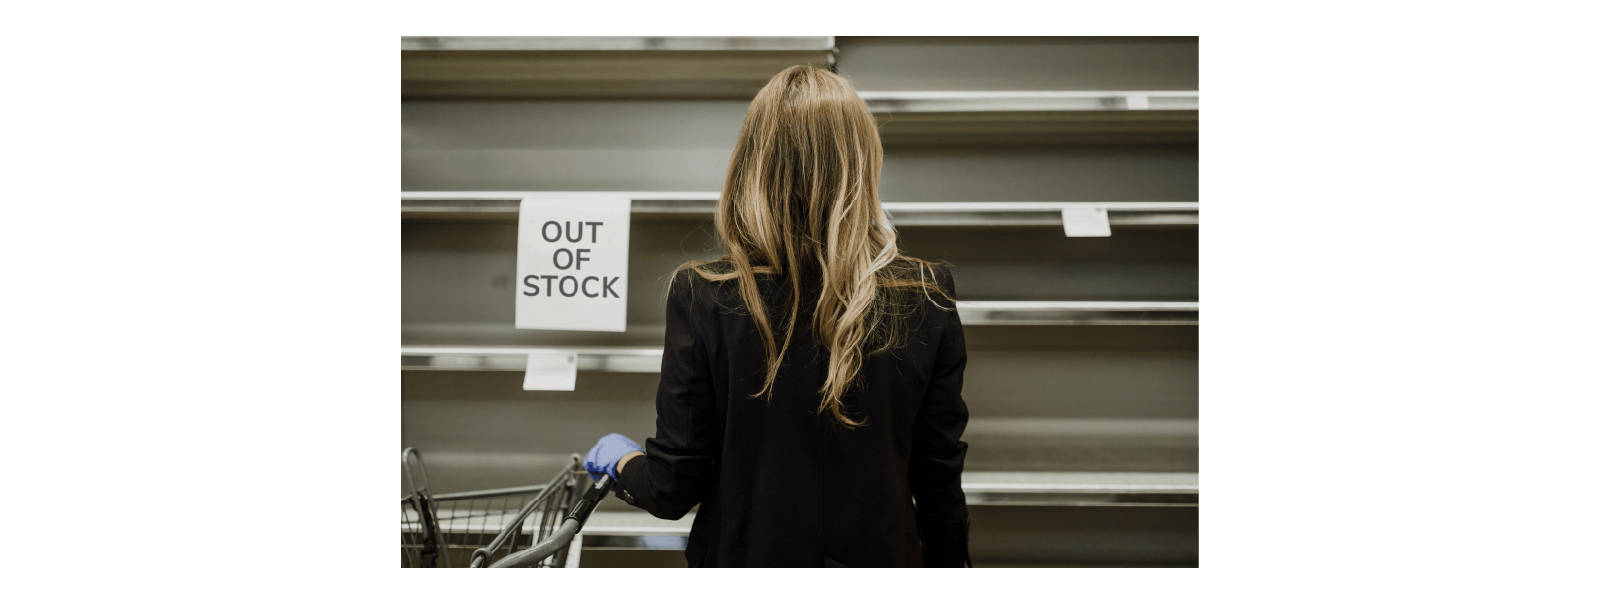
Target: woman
{"type": "Point", "coordinates": [811, 382]}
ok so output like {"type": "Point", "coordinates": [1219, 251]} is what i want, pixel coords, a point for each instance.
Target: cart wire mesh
{"type": "Point", "coordinates": [478, 528]}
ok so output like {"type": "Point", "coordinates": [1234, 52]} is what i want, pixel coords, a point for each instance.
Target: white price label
{"type": "Point", "coordinates": [1086, 221]}
{"type": "Point", "coordinates": [556, 371]}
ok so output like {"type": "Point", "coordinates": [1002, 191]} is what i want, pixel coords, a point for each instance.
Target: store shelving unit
{"type": "Point", "coordinates": [979, 163]}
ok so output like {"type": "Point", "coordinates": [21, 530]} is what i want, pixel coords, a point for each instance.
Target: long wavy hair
{"type": "Point", "coordinates": [800, 204]}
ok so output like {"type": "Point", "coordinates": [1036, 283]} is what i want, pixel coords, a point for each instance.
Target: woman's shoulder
{"type": "Point", "coordinates": [700, 280]}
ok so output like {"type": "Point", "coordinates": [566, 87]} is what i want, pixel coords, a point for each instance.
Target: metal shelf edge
{"type": "Point", "coordinates": [902, 213]}
{"type": "Point", "coordinates": [614, 360]}
{"type": "Point", "coordinates": [633, 359]}
{"type": "Point", "coordinates": [1031, 101]}
{"type": "Point", "coordinates": [616, 44]}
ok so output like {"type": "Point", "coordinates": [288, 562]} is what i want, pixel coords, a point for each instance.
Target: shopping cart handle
{"type": "Point", "coordinates": [562, 535]}
{"type": "Point", "coordinates": [591, 498]}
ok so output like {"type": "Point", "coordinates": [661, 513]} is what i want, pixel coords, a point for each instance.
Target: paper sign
{"type": "Point", "coordinates": [572, 263]}
{"type": "Point", "coordinates": [1086, 221]}
{"type": "Point", "coordinates": [551, 371]}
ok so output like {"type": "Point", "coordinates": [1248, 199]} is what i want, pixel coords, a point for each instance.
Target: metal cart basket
{"type": "Point", "coordinates": [529, 526]}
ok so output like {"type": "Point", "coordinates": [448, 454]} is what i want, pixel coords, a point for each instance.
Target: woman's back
{"type": "Point", "coordinates": [780, 484]}
{"type": "Point", "coordinates": [811, 385]}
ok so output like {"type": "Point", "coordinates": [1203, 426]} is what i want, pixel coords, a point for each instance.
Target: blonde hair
{"type": "Point", "coordinates": [800, 202]}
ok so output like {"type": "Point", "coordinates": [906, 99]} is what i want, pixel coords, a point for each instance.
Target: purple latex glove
{"type": "Point", "coordinates": [604, 455]}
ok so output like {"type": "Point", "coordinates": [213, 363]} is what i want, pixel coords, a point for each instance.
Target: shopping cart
{"type": "Point", "coordinates": [441, 530]}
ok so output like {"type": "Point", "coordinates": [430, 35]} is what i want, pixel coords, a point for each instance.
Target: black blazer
{"type": "Point", "coordinates": [780, 485]}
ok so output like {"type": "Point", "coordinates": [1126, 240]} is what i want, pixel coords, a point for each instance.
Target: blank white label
{"type": "Point", "coordinates": [572, 263]}
{"type": "Point", "coordinates": [1086, 221]}
{"type": "Point", "coordinates": [557, 371]}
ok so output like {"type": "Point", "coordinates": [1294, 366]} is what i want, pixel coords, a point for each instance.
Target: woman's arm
{"type": "Point", "coordinates": [669, 477]}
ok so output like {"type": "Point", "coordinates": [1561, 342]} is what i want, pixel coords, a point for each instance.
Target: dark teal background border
{"type": "Point", "coordinates": [199, 242]}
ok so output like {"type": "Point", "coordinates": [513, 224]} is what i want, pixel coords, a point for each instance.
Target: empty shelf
{"type": "Point", "coordinates": [1121, 214]}
{"type": "Point", "coordinates": [1039, 443]}
{"type": "Point", "coordinates": [454, 358]}
{"type": "Point", "coordinates": [1081, 489]}
{"type": "Point", "coordinates": [600, 67]}
{"type": "Point", "coordinates": [616, 44]}
{"type": "Point", "coordinates": [1035, 117]}
{"type": "Point", "coordinates": [635, 359]}
{"type": "Point", "coordinates": [641, 531]}
{"type": "Point", "coordinates": [1148, 431]}
{"type": "Point", "coordinates": [507, 203]}
{"type": "Point", "coordinates": [1029, 101]}
{"type": "Point", "coordinates": [1078, 313]}
{"type": "Point", "coordinates": [643, 359]}
{"type": "Point", "coordinates": [636, 530]}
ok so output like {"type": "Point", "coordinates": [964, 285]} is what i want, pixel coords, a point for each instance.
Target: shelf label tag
{"type": "Point", "coordinates": [556, 371]}
{"type": "Point", "coordinates": [572, 263]}
{"type": "Point", "coordinates": [1086, 221]}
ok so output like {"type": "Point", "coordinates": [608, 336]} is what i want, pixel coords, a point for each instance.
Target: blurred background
{"type": "Point", "coordinates": [1082, 380]}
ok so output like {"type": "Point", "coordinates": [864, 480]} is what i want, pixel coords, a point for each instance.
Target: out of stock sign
{"type": "Point", "coordinates": [572, 263]}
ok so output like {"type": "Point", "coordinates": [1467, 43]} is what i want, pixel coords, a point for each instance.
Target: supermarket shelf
{"type": "Point", "coordinates": [638, 359]}
{"type": "Point", "coordinates": [1081, 489]}
{"type": "Point", "coordinates": [614, 44]}
{"type": "Point", "coordinates": [503, 358]}
{"type": "Point", "coordinates": [988, 488]}
{"type": "Point", "coordinates": [1078, 313]}
{"type": "Point", "coordinates": [490, 205]}
{"type": "Point", "coordinates": [639, 531]}
{"type": "Point", "coordinates": [1121, 214]}
{"type": "Point", "coordinates": [1032, 118]}
{"type": "Point", "coordinates": [1101, 444]}
{"type": "Point", "coordinates": [599, 67]}
{"type": "Point", "coordinates": [636, 531]}
{"type": "Point", "coordinates": [1030, 101]}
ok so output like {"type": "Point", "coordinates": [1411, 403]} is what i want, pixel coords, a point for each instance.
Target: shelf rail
{"type": "Point", "coordinates": [1012, 118]}
{"type": "Point", "coordinates": [513, 358]}
{"type": "Point", "coordinates": [1029, 101]}
{"type": "Point", "coordinates": [1014, 312]}
{"type": "Point", "coordinates": [634, 531]}
{"type": "Point", "coordinates": [902, 213]}
{"type": "Point", "coordinates": [642, 359]}
{"type": "Point", "coordinates": [1081, 489]}
{"type": "Point", "coordinates": [617, 44]}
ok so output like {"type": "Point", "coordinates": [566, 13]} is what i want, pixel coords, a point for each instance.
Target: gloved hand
{"type": "Point", "coordinates": [604, 455]}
